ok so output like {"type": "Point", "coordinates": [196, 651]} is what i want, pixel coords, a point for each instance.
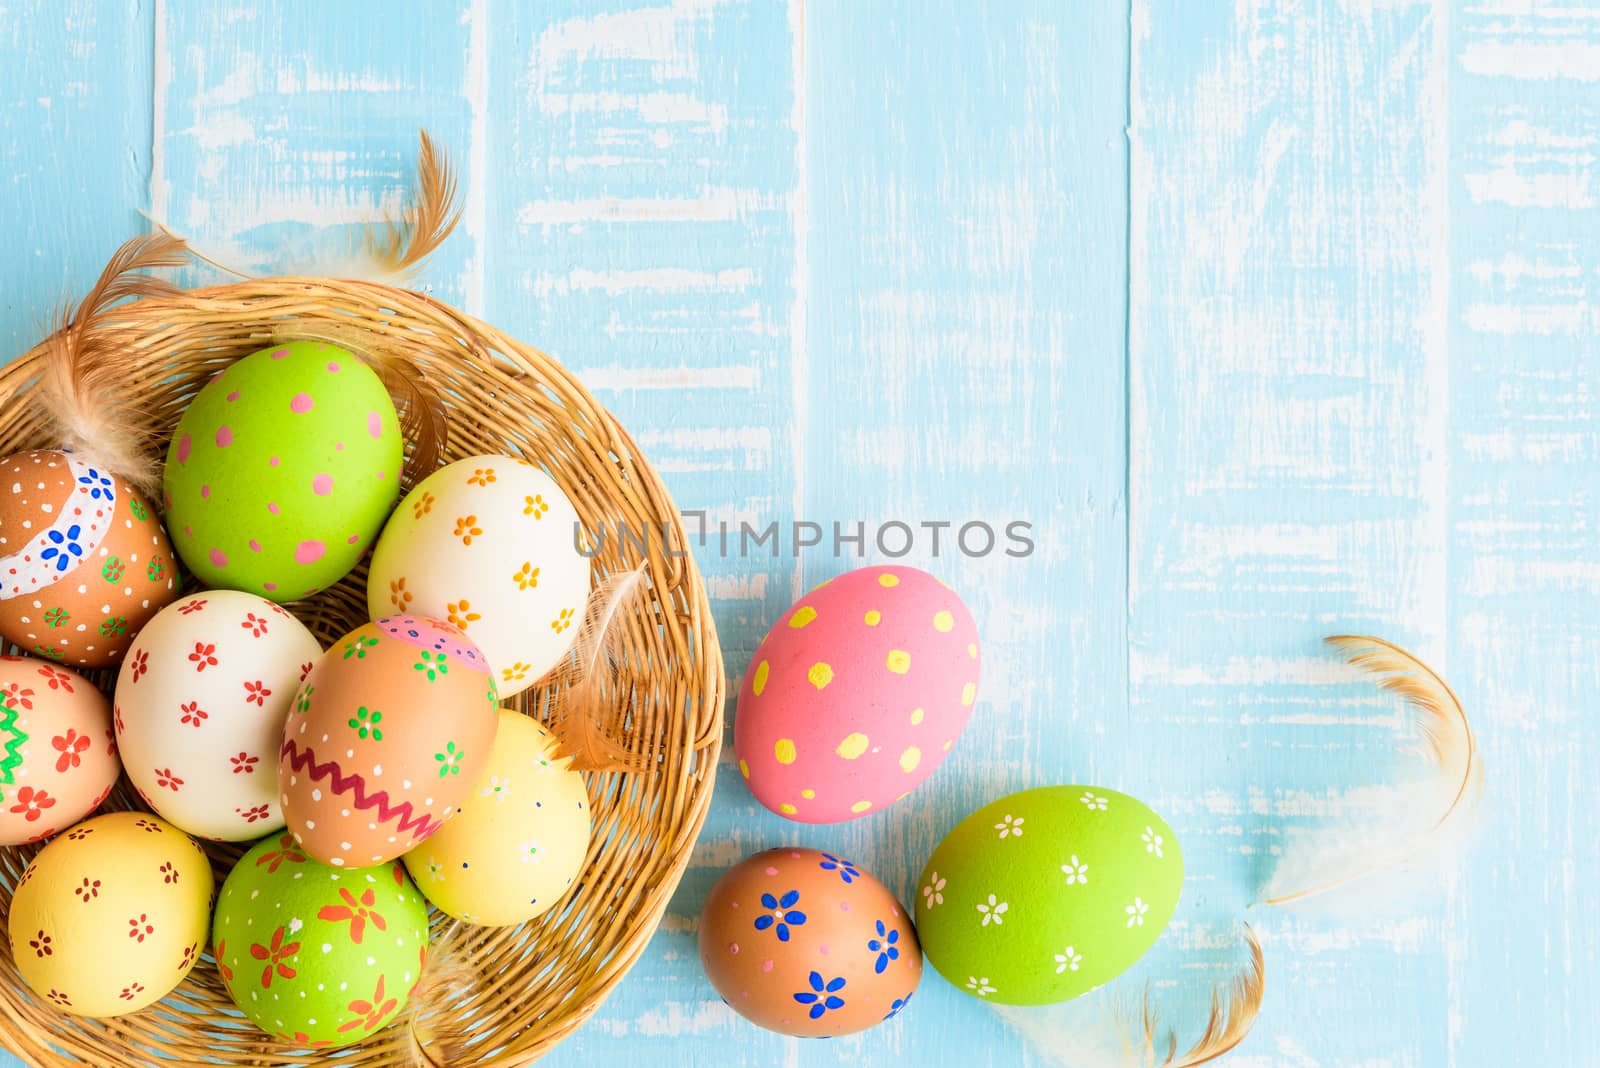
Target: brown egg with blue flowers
{"type": "Point", "coordinates": [84, 561]}
{"type": "Point", "coordinates": [805, 943]}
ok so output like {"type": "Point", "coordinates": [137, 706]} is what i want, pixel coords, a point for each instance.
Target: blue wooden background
{"type": "Point", "coordinates": [1274, 319]}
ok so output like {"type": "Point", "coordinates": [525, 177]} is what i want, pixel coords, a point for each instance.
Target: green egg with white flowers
{"type": "Point", "coordinates": [1047, 894]}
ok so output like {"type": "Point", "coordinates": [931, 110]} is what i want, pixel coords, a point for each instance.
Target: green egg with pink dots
{"type": "Point", "coordinates": [282, 470]}
{"type": "Point", "coordinates": [1047, 894]}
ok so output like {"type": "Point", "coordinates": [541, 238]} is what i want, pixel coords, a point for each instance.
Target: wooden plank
{"type": "Point", "coordinates": [279, 127]}
{"type": "Point", "coordinates": [1288, 441]}
{"type": "Point", "coordinates": [1525, 549]}
{"type": "Point", "coordinates": [643, 186]}
{"type": "Point", "coordinates": [645, 190]}
{"type": "Point", "coordinates": [74, 137]}
{"type": "Point", "coordinates": [966, 190]}
{"type": "Point", "coordinates": [942, 270]}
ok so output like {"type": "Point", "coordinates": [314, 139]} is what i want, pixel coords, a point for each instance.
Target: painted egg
{"type": "Point", "coordinates": [200, 705]}
{"type": "Point", "coordinates": [282, 470]}
{"type": "Point", "coordinates": [856, 694]}
{"type": "Point", "coordinates": [112, 915]}
{"type": "Point", "coordinates": [487, 543]}
{"type": "Point", "coordinates": [1047, 894]}
{"type": "Point", "coordinates": [519, 839]}
{"type": "Point", "coordinates": [805, 943]}
{"type": "Point", "coordinates": [58, 758]}
{"type": "Point", "coordinates": [318, 956]}
{"type": "Point", "coordinates": [85, 561]}
{"type": "Point", "coordinates": [386, 738]}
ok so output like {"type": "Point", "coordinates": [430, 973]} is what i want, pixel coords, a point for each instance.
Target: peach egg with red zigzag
{"type": "Point", "coordinates": [385, 739]}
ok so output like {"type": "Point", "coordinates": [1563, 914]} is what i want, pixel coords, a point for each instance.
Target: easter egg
{"type": "Point", "coordinates": [318, 956]}
{"type": "Point", "coordinates": [856, 694]}
{"type": "Point", "coordinates": [386, 738]}
{"type": "Point", "coordinates": [519, 839]}
{"type": "Point", "coordinates": [1047, 894]}
{"type": "Point", "coordinates": [805, 943]}
{"type": "Point", "coordinates": [487, 543]}
{"type": "Point", "coordinates": [112, 915]}
{"type": "Point", "coordinates": [282, 470]}
{"type": "Point", "coordinates": [85, 561]}
{"type": "Point", "coordinates": [200, 705]}
{"type": "Point", "coordinates": [58, 758]}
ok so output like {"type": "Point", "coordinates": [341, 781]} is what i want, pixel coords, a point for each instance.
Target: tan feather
{"type": "Point", "coordinates": [434, 1036]}
{"type": "Point", "coordinates": [1454, 776]}
{"type": "Point", "coordinates": [193, 249]}
{"type": "Point", "coordinates": [1227, 1025]}
{"type": "Point", "coordinates": [591, 699]}
{"type": "Point", "coordinates": [83, 386]}
{"type": "Point", "coordinates": [423, 423]}
{"type": "Point", "coordinates": [398, 246]}
{"type": "Point", "coordinates": [1112, 1030]}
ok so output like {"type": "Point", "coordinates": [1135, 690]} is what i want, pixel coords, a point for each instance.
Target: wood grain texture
{"type": "Point", "coordinates": [278, 129]}
{"type": "Point", "coordinates": [1273, 319]}
{"type": "Point", "coordinates": [1288, 438]}
{"type": "Point", "coordinates": [1524, 582]}
{"type": "Point", "coordinates": [75, 136]}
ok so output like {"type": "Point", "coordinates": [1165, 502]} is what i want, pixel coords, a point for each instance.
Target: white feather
{"type": "Point", "coordinates": [1392, 829]}
{"type": "Point", "coordinates": [1389, 829]}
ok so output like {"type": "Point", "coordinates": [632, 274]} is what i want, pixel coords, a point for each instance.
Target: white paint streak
{"type": "Point", "coordinates": [717, 204]}
{"type": "Point", "coordinates": [1533, 60]}
{"type": "Point", "coordinates": [674, 1019]}
{"type": "Point", "coordinates": [475, 208]}
{"type": "Point", "coordinates": [654, 107]}
{"type": "Point", "coordinates": [659, 279]}
{"type": "Point", "coordinates": [659, 36]}
{"type": "Point", "coordinates": [798, 310]}
{"type": "Point", "coordinates": [1578, 318]}
{"type": "Point", "coordinates": [1505, 185]}
{"type": "Point", "coordinates": [160, 187]}
{"type": "Point", "coordinates": [620, 379]}
{"type": "Point", "coordinates": [1513, 269]}
{"type": "Point", "coordinates": [751, 587]}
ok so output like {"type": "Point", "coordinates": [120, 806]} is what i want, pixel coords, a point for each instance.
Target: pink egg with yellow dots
{"type": "Point", "coordinates": [282, 470]}
{"type": "Point", "coordinates": [856, 694]}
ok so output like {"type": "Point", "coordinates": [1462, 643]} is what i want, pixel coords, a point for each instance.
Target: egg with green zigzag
{"type": "Point", "coordinates": [58, 758]}
{"type": "Point", "coordinates": [1047, 894]}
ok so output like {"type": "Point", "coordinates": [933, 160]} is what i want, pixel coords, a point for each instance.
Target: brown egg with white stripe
{"type": "Point", "coordinates": [85, 559]}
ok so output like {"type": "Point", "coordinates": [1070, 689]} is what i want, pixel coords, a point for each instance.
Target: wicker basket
{"type": "Point", "coordinates": [490, 996]}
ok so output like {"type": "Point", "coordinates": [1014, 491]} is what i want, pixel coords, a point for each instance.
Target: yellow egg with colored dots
{"type": "Point", "coordinates": [521, 836]}
{"type": "Point", "coordinates": [856, 694]}
{"type": "Point", "coordinates": [111, 915]}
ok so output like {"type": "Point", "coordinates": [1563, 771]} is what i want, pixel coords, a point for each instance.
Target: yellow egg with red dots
{"type": "Point", "coordinates": [856, 694]}
{"type": "Point", "coordinates": [112, 915]}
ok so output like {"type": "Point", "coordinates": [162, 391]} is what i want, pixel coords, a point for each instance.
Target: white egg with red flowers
{"type": "Point", "coordinates": [199, 710]}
